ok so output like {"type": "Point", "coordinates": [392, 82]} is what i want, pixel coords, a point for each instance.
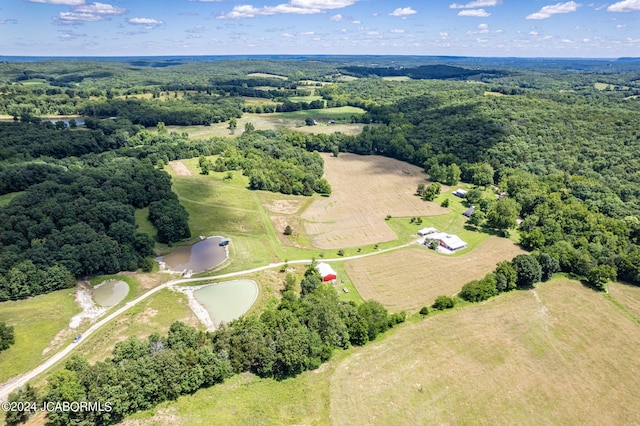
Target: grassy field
{"type": "Point", "coordinates": [628, 298]}
{"type": "Point", "coordinates": [280, 120]}
{"type": "Point", "coordinates": [155, 314]}
{"type": "Point", "coordinates": [355, 218]}
{"type": "Point", "coordinates": [560, 354]}
{"type": "Point", "coordinates": [41, 327]}
{"type": "Point", "coordinates": [526, 357]}
{"type": "Point", "coordinates": [227, 208]}
{"type": "Point", "coordinates": [411, 278]}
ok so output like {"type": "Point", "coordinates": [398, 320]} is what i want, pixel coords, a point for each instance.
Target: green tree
{"type": "Point", "coordinates": [528, 270]}
{"type": "Point", "coordinates": [432, 191]}
{"type": "Point", "coordinates": [28, 394]}
{"type": "Point", "coordinates": [506, 276]}
{"type": "Point", "coordinates": [7, 337]}
{"type": "Point", "coordinates": [233, 124]}
{"type": "Point", "coordinates": [549, 265]}
{"type": "Point", "coordinates": [288, 230]}
{"type": "Point", "coordinates": [443, 302]}
{"type": "Point", "coordinates": [601, 275]}
{"type": "Point", "coordinates": [249, 127]}
{"type": "Point", "coordinates": [479, 290]}
{"type": "Point", "coordinates": [453, 174]}
{"type": "Point", "coordinates": [503, 214]}
{"type": "Point", "coordinates": [482, 174]}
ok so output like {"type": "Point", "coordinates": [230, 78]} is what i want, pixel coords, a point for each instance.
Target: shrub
{"type": "Point", "coordinates": [479, 290]}
{"type": "Point", "coordinates": [443, 302]}
{"type": "Point", "coordinates": [288, 230]}
{"type": "Point", "coordinates": [424, 311]}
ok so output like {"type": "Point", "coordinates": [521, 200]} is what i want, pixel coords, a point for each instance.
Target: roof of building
{"type": "Point", "coordinates": [324, 269]}
{"type": "Point", "coordinates": [452, 241]}
{"type": "Point", "coordinates": [469, 211]}
{"type": "Point", "coordinates": [427, 231]}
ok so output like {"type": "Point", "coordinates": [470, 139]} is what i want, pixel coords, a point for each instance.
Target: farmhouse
{"type": "Point", "coordinates": [460, 193]}
{"type": "Point", "coordinates": [448, 241]}
{"type": "Point", "coordinates": [326, 272]}
{"type": "Point", "coordinates": [427, 231]}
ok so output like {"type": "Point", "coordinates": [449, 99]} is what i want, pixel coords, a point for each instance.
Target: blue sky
{"type": "Point", "coordinates": [524, 28]}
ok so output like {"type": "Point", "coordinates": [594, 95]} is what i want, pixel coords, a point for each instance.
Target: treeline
{"type": "Point", "coordinates": [27, 141]}
{"type": "Point", "coordinates": [421, 72]}
{"type": "Point", "coordinates": [81, 222]}
{"type": "Point", "coordinates": [298, 334]}
{"type": "Point", "coordinates": [171, 112]}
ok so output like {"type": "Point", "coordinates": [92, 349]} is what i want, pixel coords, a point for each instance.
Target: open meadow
{"type": "Point", "coordinates": [41, 327]}
{"type": "Point", "coordinates": [365, 190]}
{"type": "Point", "coordinates": [410, 278]}
{"type": "Point", "coordinates": [559, 354]}
{"type": "Point", "coordinates": [280, 120]}
{"type": "Point", "coordinates": [525, 357]}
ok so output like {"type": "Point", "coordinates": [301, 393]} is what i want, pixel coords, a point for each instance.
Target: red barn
{"type": "Point", "coordinates": [326, 272]}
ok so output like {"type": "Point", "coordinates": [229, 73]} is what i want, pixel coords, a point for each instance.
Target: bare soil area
{"type": "Point", "coordinates": [179, 168]}
{"type": "Point", "coordinates": [365, 189]}
{"type": "Point", "coordinates": [414, 277]}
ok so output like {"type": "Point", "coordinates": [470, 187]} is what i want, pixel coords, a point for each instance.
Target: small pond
{"type": "Point", "coordinates": [227, 300]}
{"type": "Point", "coordinates": [198, 257]}
{"type": "Point", "coordinates": [110, 292]}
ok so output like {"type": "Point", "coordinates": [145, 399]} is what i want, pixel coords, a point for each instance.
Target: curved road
{"type": "Point", "coordinates": [20, 381]}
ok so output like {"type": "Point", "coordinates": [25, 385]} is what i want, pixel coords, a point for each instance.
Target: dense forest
{"type": "Point", "coordinates": [299, 334]}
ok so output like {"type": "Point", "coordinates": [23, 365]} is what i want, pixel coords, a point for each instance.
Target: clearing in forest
{"type": "Point", "coordinates": [559, 354]}
{"type": "Point", "coordinates": [365, 189]}
{"type": "Point", "coordinates": [412, 278]}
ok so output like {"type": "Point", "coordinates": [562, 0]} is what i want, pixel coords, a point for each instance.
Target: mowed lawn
{"type": "Point", "coordinates": [365, 189]}
{"type": "Point", "coordinates": [410, 278]}
{"type": "Point", "coordinates": [41, 328]}
{"type": "Point", "coordinates": [559, 354]}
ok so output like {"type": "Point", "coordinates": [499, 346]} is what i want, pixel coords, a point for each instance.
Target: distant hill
{"type": "Point", "coordinates": [423, 72]}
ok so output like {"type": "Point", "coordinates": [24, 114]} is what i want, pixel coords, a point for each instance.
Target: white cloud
{"type": "Point", "coordinates": [145, 21]}
{"type": "Point", "coordinates": [8, 21]}
{"type": "Point", "coordinates": [356, 22]}
{"type": "Point", "coordinates": [296, 7]}
{"type": "Point", "coordinates": [620, 26]}
{"type": "Point", "coordinates": [549, 11]}
{"type": "Point", "coordinates": [307, 33]}
{"type": "Point", "coordinates": [625, 6]}
{"type": "Point", "coordinates": [483, 29]}
{"type": "Point", "coordinates": [79, 17]}
{"type": "Point", "coordinates": [566, 40]}
{"type": "Point", "coordinates": [373, 33]}
{"type": "Point", "coordinates": [397, 31]}
{"type": "Point", "coordinates": [475, 4]}
{"type": "Point", "coordinates": [336, 18]}
{"type": "Point", "coordinates": [444, 35]}
{"type": "Point", "coordinates": [62, 2]}
{"type": "Point", "coordinates": [100, 9]}
{"type": "Point", "coordinates": [403, 11]}
{"type": "Point", "coordinates": [534, 33]}
{"type": "Point", "coordinates": [479, 13]}
{"type": "Point", "coordinates": [286, 35]}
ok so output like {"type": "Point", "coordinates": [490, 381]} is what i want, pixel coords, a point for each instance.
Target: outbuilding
{"type": "Point", "coordinates": [326, 272]}
{"type": "Point", "coordinates": [469, 211]}
{"type": "Point", "coordinates": [460, 193]}
{"type": "Point", "coordinates": [427, 231]}
{"type": "Point", "coordinates": [448, 241]}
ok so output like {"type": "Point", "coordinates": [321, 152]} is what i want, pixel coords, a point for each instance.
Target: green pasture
{"type": "Point", "coordinates": [36, 322]}
{"type": "Point", "coordinates": [338, 114]}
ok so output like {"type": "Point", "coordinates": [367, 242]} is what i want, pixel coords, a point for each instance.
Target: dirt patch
{"type": "Point", "coordinates": [412, 278]}
{"type": "Point", "coordinates": [179, 168]}
{"type": "Point", "coordinates": [365, 190]}
{"type": "Point", "coordinates": [199, 311]}
{"type": "Point", "coordinates": [90, 311]}
{"type": "Point", "coordinates": [283, 206]}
